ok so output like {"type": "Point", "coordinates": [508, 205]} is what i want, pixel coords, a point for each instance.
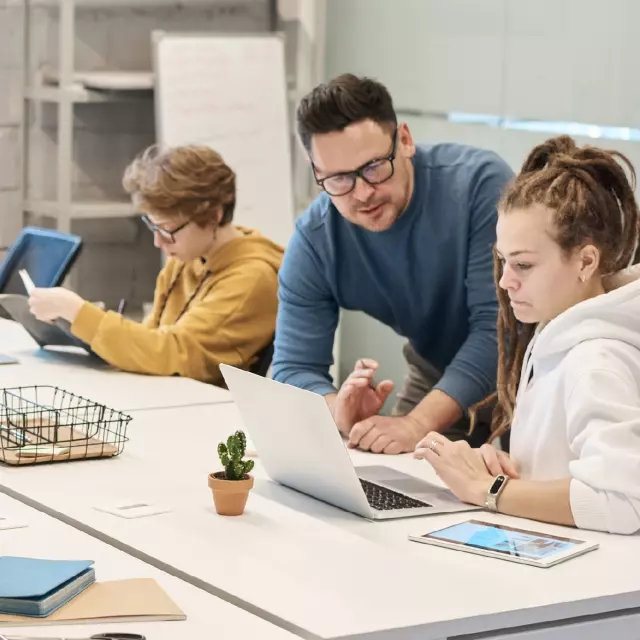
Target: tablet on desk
{"type": "Point", "coordinates": [507, 543]}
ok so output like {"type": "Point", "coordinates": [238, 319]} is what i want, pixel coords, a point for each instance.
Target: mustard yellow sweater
{"type": "Point", "coordinates": [222, 310]}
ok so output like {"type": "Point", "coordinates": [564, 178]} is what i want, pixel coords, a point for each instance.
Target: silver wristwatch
{"type": "Point", "coordinates": [496, 488]}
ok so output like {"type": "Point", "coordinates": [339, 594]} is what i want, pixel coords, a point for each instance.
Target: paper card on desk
{"type": "Point", "coordinates": [136, 600]}
{"type": "Point", "coordinates": [134, 509]}
{"type": "Point", "coordinates": [9, 522]}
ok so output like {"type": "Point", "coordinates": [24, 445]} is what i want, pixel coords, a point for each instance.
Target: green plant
{"type": "Point", "coordinates": [231, 454]}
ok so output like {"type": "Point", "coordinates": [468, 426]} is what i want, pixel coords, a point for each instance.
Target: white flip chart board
{"type": "Point", "coordinates": [229, 92]}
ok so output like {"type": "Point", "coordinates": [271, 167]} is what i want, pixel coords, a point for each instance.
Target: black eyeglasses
{"type": "Point", "coordinates": [373, 172]}
{"type": "Point", "coordinates": [165, 234]}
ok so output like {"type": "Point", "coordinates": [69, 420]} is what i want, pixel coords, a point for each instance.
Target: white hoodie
{"type": "Point", "coordinates": [579, 414]}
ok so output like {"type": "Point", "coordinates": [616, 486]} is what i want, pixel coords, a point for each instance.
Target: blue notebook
{"type": "Point", "coordinates": [35, 587]}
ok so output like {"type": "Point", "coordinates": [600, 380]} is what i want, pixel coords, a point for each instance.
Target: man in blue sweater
{"type": "Point", "coordinates": [403, 233]}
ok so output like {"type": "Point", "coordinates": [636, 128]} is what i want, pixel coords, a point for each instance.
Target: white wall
{"type": "Point", "coordinates": [574, 60]}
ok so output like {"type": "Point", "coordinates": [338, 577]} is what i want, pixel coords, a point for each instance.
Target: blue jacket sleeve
{"type": "Point", "coordinates": [471, 375]}
{"type": "Point", "coordinates": [307, 319]}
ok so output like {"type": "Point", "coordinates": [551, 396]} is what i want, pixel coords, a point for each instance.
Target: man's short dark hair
{"type": "Point", "coordinates": [343, 101]}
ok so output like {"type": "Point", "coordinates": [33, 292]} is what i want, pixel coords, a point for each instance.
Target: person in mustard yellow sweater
{"type": "Point", "coordinates": [216, 298]}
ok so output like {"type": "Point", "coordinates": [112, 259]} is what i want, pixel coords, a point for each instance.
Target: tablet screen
{"type": "Point", "coordinates": [506, 540]}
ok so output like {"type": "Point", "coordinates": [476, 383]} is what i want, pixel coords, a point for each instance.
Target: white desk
{"type": "Point", "coordinates": [322, 570]}
{"type": "Point", "coordinates": [75, 371]}
{"type": "Point", "coordinates": [207, 616]}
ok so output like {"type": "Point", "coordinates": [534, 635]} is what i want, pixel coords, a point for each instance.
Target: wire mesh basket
{"type": "Point", "coordinates": [46, 424]}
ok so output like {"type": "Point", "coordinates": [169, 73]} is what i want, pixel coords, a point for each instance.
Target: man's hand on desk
{"type": "Point", "coordinates": [383, 434]}
{"type": "Point", "coordinates": [355, 410]}
{"type": "Point", "coordinates": [47, 305]}
{"type": "Point", "coordinates": [359, 397]}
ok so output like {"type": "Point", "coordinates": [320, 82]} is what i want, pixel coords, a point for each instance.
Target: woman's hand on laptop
{"type": "Point", "coordinates": [359, 397]}
{"type": "Point", "coordinates": [496, 462]}
{"type": "Point", "coordinates": [458, 466]}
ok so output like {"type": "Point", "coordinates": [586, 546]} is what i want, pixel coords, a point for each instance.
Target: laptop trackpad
{"type": "Point", "coordinates": [405, 483]}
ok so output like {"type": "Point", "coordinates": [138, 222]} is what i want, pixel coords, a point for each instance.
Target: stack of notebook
{"type": "Point", "coordinates": [34, 587]}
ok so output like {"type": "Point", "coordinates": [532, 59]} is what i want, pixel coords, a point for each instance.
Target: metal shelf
{"type": "Point", "coordinates": [92, 86]}
{"type": "Point", "coordinates": [84, 209]}
{"type": "Point", "coordinates": [79, 94]}
{"type": "Point", "coordinates": [67, 87]}
{"type": "Point", "coordinates": [83, 95]}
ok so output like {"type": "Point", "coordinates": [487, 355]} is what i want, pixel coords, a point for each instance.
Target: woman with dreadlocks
{"type": "Point", "coordinates": [569, 349]}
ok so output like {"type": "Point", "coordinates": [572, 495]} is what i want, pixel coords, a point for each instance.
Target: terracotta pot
{"type": "Point", "coordinates": [229, 496]}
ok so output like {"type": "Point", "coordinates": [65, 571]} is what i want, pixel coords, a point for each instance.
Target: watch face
{"type": "Point", "coordinates": [497, 483]}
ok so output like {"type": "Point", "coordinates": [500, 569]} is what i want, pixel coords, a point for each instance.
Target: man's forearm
{"type": "Point", "coordinates": [344, 427]}
{"type": "Point", "coordinates": [331, 401]}
{"type": "Point", "coordinates": [471, 376]}
{"type": "Point", "coordinates": [436, 412]}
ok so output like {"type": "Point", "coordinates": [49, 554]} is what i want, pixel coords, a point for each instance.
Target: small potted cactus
{"type": "Point", "coordinates": [231, 487]}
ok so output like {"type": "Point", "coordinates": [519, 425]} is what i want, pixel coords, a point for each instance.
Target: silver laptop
{"type": "Point", "coordinates": [300, 447]}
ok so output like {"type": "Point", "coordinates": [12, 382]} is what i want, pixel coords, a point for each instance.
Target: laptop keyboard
{"type": "Point", "coordinates": [384, 499]}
